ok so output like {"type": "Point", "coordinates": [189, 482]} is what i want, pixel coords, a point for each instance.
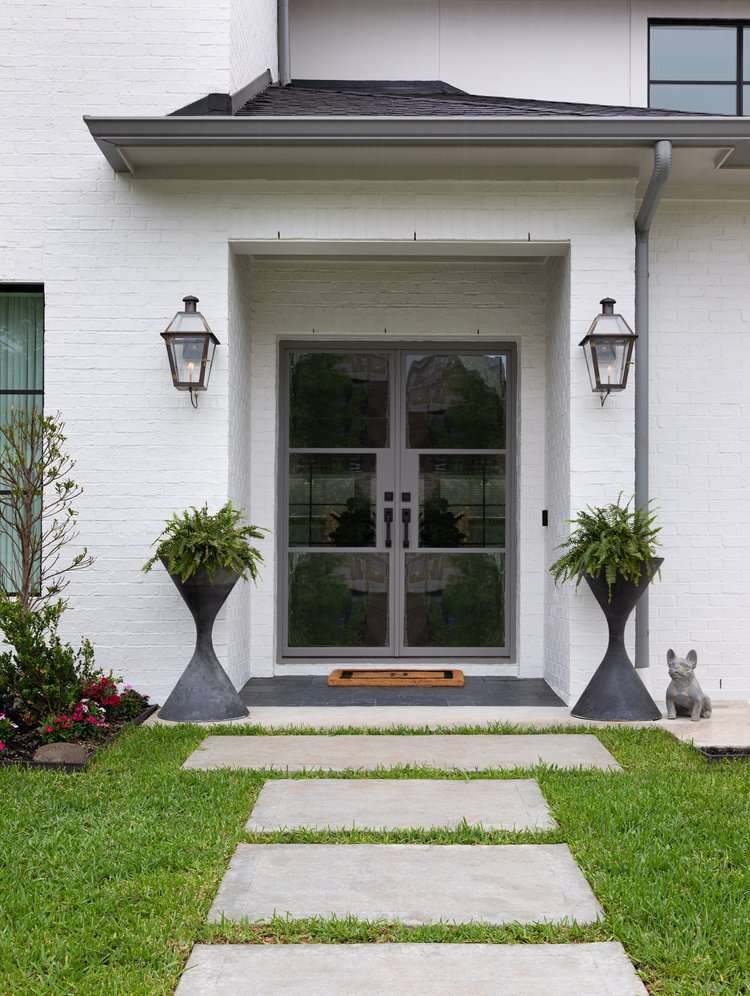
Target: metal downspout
{"type": "Point", "coordinates": [659, 177]}
{"type": "Point", "coordinates": [282, 36]}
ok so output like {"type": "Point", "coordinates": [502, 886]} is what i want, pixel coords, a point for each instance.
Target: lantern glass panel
{"type": "Point", "coordinates": [189, 355]}
{"type": "Point", "coordinates": [187, 322]}
{"type": "Point", "coordinates": [611, 357]}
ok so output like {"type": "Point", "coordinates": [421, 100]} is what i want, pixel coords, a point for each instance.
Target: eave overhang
{"type": "Point", "coordinates": [169, 137]}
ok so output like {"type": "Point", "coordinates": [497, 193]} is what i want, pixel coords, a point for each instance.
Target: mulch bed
{"type": "Point", "coordinates": [21, 750]}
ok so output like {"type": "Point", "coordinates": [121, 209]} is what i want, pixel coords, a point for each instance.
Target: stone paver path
{"type": "Point", "coordinates": [396, 804]}
{"type": "Point", "coordinates": [410, 883]}
{"type": "Point", "coordinates": [368, 753]}
{"type": "Point", "coordinates": [392, 969]}
{"type": "Point", "coordinates": [407, 883]}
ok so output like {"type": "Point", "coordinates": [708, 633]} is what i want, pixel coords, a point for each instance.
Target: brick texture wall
{"type": "Point", "coordinates": [700, 439]}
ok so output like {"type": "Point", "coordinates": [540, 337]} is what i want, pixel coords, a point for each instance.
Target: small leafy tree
{"type": "Point", "coordinates": [38, 519]}
{"type": "Point", "coordinates": [40, 674]}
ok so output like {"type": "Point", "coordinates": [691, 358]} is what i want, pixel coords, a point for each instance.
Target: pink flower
{"type": "Point", "coordinates": [2, 745]}
{"type": "Point", "coordinates": [48, 729]}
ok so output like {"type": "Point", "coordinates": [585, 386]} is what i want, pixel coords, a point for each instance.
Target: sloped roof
{"type": "Point", "coordinates": [395, 98]}
{"type": "Point", "coordinates": [425, 98]}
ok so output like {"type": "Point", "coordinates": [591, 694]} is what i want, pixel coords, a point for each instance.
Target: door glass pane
{"type": "Point", "coordinates": [693, 52]}
{"type": "Point", "coordinates": [461, 500]}
{"type": "Point", "coordinates": [338, 600]}
{"type": "Point", "coordinates": [455, 600]}
{"type": "Point", "coordinates": [693, 97]}
{"type": "Point", "coordinates": [332, 499]}
{"type": "Point", "coordinates": [746, 99]}
{"type": "Point", "coordinates": [338, 400]}
{"type": "Point", "coordinates": [455, 401]}
{"type": "Point", "coordinates": [746, 53]}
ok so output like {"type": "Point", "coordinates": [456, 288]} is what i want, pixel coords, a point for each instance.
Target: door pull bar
{"type": "Point", "coordinates": [388, 519]}
{"type": "Point", "coordinates": [406, 519]}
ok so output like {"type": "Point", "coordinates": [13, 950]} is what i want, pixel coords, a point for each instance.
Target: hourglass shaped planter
{"type": "Point", "coordinates": [204, 693]}
{"type": "Point", "coordinates": [616, 692]}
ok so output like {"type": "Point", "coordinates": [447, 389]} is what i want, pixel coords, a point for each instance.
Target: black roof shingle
{"type": "Point", "coordinates": [417, 98]}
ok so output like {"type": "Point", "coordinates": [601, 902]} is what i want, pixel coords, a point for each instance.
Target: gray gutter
{"type": "Point", "coordinates": [659, 177]}
{"type": "Point", "coordinates": [111, 133]}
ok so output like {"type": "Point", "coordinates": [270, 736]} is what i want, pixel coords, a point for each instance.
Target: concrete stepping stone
{"type": "Point", "coordinates": [368, 753]}
{"type": "Point", "coordinates": [395, 804]}
{"type": "Point", "coordinates": [600, 969]}
{"type": "Point", "coordinates": [410, 883]}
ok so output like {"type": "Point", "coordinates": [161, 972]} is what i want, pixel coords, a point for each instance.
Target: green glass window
{"type": "Point", "coordinates": [699, 66]}
{"type": "Point", "coordinates": [21, 363]}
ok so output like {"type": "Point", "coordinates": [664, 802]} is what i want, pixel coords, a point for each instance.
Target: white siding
{"type": "Point", "coordinates": [579, 50]}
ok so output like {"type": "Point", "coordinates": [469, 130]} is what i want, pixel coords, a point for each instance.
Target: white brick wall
{"type": "Point", "coordinates": [557, 473]}
{"type": "Point", "coordinates": [253, 40]}
{"type": "Point", "coordinates": [700, 439]}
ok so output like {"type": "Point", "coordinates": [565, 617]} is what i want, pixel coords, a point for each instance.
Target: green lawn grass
{"type": "Point", "coordinates": [106, 877]}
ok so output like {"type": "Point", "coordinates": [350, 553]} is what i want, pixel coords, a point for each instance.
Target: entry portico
{"type": "Point", "coordinates": [397, 299]}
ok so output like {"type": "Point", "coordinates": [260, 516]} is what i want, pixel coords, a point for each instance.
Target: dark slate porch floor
{"type": "Point", "coordinates": [312, 690]}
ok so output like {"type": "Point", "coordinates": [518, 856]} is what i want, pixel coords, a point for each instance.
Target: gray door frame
{"type": "Point", "coordinates": [396, 455]}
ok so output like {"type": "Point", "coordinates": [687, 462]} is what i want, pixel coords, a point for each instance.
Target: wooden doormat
{"type": "Point", "coordinates": [445, 677]}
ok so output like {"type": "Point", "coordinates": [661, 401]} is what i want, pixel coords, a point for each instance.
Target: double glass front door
{"type": "Point", "coordinates": [396, 502]}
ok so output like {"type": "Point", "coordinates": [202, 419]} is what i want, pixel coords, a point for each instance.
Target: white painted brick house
{"type": "Point", "coordinates": [402, 224]}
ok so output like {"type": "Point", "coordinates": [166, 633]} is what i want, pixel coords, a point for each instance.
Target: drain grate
{"type": "Point", "coordinates": [444, 678]}
{"type": "Point", "coordinates": [725, 753]}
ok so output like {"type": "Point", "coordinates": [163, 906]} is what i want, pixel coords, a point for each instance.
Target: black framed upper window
{"type": "Point", "coordinates": [700, 66]}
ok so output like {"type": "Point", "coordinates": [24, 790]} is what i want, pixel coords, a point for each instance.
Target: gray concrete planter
{"type": "Point", "coordinates": [204, 693]}
{"type": "Point", "coordinates": [616, 692]}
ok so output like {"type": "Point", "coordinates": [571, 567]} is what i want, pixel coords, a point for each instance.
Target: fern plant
{"type": "Point", "coordinates": [195, 540]}
{"type": "Point", "coordinates": [614, 540]}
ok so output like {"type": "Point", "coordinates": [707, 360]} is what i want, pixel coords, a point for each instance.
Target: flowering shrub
{"type": "Point", "coordinates": [103, 690]}
{"type": "Point", "coordinates": [7, 729]}
{"type": "Point", "coordinates": [85, 721]}
{"type": "Point", "coordinates": [119, 703]}
{"type": "Point", "coordinates": [102, 702]}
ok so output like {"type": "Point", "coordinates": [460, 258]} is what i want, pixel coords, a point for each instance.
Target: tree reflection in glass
{"type": "Point", "coordinates": [338, 400]}
{"type": "Point", "coordinates": [338, 600]}
{"type": "Point", "coordinates": [455, 600]}
{"type": "Point", "coordinates": [456, 402]}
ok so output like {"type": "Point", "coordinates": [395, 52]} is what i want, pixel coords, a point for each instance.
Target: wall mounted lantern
{"type": "Point", "coordinates": [190, 347]}
{"type": "Point", "coordinates": [608, 348]}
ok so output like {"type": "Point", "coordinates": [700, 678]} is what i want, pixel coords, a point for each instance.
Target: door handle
{"type": "Point", "coordinates": [406, 519]}
{"type": "Point", "coordinates": [388, 519]}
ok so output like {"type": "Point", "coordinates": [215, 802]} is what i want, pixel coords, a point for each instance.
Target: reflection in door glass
{"type": "Point", "coordinates": [455, 401]}
{"type": "Point", "coordinates": [461, 500]}
{"type": "Point", "coordinates": [332, 499]}
{"type": "Point", "coordinates": [338, 600]}
{"type": "Point", "coordinates": [455, 600]}
{"type": "Point", "coordinates": [338, 400]}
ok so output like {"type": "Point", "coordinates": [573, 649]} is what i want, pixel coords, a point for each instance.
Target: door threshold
{"type": "Point", "coordinates": [475, 667]}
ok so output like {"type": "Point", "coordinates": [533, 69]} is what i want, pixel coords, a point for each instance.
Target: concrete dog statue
{"type": "Point", "coordinates": [684, 695]}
